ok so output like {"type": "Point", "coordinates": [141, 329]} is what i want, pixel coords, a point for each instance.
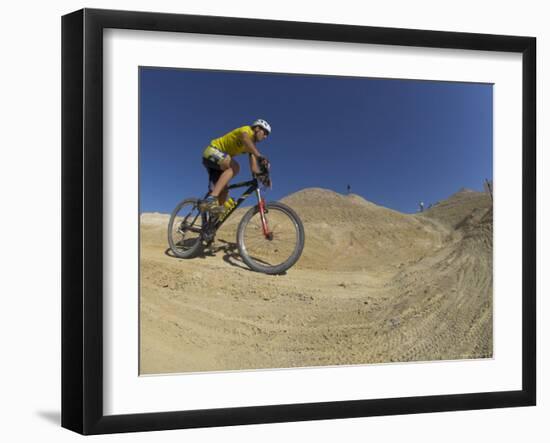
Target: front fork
{"type": "Point", "coordinates": [208, 231]}
{"type": "Point", "coordinates": [262, 209]}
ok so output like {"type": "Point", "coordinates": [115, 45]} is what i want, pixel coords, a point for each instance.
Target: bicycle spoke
{"type": "Point", "coordinates": [185, 228]}
{"type": "Point", "coordinates": [276, 249]}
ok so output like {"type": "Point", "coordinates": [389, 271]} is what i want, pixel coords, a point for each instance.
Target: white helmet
{"type": "Point", "coordinates": [262, 124]}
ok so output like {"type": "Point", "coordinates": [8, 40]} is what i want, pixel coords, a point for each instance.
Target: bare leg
{"type": "Point", "coordinates": [223, 196]}
{"type": "Point", "coordinates": [231, 169]}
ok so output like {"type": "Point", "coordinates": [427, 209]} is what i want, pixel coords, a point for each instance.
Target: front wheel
{"type": "Point", "coordinates": [276, 250]}
{"type": "Point", "coordinates": [185, 229]}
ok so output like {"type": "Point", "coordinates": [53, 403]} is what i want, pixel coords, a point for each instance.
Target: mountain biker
{"type": "Point", "coordinates": [218, 159]}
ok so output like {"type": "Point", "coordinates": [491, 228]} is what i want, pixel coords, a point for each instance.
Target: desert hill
{"type": "Point", "coordinates": [372, 285]}
{"type": "Point", "coordinates": [347, 232]}
{"type": "Point", "coordinates": [458, 206]}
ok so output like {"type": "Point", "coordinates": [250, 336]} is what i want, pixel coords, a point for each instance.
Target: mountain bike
{"type": "Point", "coordinates": [270, 236]}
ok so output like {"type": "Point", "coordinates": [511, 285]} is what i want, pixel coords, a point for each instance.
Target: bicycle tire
{"type": "Point", "coordinates": [194, 245]}
{"type": "Point", "coordinates": [251, 261]}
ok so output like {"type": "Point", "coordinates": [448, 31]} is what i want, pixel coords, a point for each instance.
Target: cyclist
{"type": "Point", "coordinates": [218, 159]}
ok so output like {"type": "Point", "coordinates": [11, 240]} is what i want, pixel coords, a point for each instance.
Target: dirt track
{"type": "Point", "coordinates": [372, 285]}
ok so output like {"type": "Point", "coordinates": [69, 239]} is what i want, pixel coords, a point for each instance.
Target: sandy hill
{"type": "Point", "coordinates": [372, 285]}
{"type": "Point", "coordinates": [459, 206]}
{"type": "Point", "coordinates": [347, 232]}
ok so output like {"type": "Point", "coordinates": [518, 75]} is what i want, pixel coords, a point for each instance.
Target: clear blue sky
{"type": "Point", "coordinates": [395, 142]}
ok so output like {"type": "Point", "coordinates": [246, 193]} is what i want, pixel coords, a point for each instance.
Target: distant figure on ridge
{"type": "Point", "coordinates": [421, 205]}
{"type": "Point", "coordinates": [349, 189]}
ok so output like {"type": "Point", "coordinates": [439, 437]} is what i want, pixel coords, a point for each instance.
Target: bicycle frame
{"type": "Point", "coordinates": [253, 186]}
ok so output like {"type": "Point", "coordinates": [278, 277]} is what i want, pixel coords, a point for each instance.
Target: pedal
{"type": "Point", "coordinates": [208, 238]}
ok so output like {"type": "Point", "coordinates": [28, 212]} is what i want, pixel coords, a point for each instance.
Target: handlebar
{"type": "Point", "coordinates": [263, 177]}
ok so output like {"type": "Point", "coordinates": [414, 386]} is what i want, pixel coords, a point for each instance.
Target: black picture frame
{"type": "Point", "coordinates": [82, 215]}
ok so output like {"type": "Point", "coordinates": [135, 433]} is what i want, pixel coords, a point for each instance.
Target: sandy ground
{"type": "Point", "coordinates": [372, 285]}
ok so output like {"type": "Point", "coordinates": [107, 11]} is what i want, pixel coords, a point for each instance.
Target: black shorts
{"type": "Point", "coordinates": [211, 162]}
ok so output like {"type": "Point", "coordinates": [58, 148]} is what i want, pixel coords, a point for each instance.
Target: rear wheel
{"type": "Point", "coordinates": [277, 250]}
{"type": "Point", "coordinates": [185, 229]}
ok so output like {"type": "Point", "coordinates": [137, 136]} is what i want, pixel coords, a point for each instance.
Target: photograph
{"type": "Point", "coordinates": [291, 220]}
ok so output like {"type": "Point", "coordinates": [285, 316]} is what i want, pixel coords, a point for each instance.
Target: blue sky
{"type": "Point", "coordinates": [395, 142]}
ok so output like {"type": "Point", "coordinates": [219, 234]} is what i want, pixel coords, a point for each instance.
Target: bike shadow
{"type": "Point", "coordinates": [229, 249]}
{"type": "Point", "coordinates": [230, 252]}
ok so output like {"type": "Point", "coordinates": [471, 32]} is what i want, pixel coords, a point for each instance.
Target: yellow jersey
{"type": "Point", "coordinates": [232, 143]}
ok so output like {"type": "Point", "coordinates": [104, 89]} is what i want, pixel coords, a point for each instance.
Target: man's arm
{"type": "Point", "coordinates": [254, 164]}
{"type": "Point", "coordinates": [249, 145]}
